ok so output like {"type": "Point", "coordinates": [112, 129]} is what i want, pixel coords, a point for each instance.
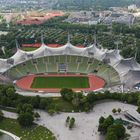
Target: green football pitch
{"type": "Point", "coordinates": [61, 82]}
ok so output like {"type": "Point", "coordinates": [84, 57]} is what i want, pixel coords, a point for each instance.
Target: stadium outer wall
{"type": "Point", "coordinates": [25, 83]}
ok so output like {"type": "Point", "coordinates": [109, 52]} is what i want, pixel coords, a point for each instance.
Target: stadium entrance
{"type": "Point", "coordinates": [62, 68]}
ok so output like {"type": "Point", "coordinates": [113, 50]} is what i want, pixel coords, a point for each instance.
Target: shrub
{"type": "Point", "coordinates": [51, 112]}
{"type": "Point", "coordinates": [72, 122]}
{"type": "Point", "coordinates": [119, 110]}
{"type": "Point", "coordinates": [114, 110]}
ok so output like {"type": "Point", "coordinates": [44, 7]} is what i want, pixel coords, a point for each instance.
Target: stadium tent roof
{"type": "Point", "coordinates": [124, 65]}
{"type": "Point", "coordinates": [19, 56]}
{"type": "Point", "coordinates": [40, 52]}
{"type": "Point", "coordinates": [131, 78]}
{"type": "Point", "coordinates": [97, 53]}
{"type": "Point", "coordinates": [66, 49]}
{"type": "Point", "coordinates": [112, 56]}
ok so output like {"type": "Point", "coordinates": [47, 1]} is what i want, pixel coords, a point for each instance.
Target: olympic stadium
{"type": "Point", "coordinates": [82, 69]}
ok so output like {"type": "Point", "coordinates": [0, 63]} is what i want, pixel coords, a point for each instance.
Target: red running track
{"type": "Point", "coordinates": [25, 83]}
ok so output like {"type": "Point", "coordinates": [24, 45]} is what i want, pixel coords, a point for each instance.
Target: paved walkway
{"type": "Point", "coordinates": [10, 115]}
{"type": "Point", "coordinates": [10, 134]}
{"type": "Point", "coordinates": [86, 124]}
{"type": "Point", "coordinates": [29, 93]}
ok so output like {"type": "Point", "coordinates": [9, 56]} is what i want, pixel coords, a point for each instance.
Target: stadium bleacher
{"type": "Point", "coordinates": [70, 64]}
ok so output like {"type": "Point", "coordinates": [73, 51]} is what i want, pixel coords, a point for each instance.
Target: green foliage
{"type": "Point", "coordinates": [109, 129]}
{"type": "Point", "coordinates": [51, 112]}
{"type": "Point", "coordinates": [105, 124]}
{"type": "Point", "coordinates": [1, 116]}
{"type": "Point", "coordinates": [111, 136]}
{"type": "Point", "coordinates": [86, 107]}
{"type": "Point", "coordinates": [71, 123]}
{"type": "Point", "coordinates": [26, 119]}
{"type": "Point", "coordinates": [68, 119]}
{"type": "Point", "coordinates": [43, 103]}
{"type": "Point", "coordinates": [67, 94]}
{"type": "Point", "coordinates": [119, 110]}
{"type": "Point", "coordinates": [114, 110]}
{"type": "Point", "coordinates": [101, 120]}
{"type": "Point", "coordinates": [69, 101]}
{"type": "Point", "coordinates": [118, 129]}
{"type": "Point", "coordinates": [138, 109]}
{"type": "Point", "coordinates": [91, 97]}
{"type": "Point", "coordinates": [35, 132]}
{"type": "Point", "coordinates": [35, 101]}
{"type": "Point", "coordinates": [25, 108]}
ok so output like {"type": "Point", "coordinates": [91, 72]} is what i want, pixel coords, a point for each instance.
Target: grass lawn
{"type": "Point", "coordinates": [60, 82]}
{"type": "Point", "coordinates": [64, 106]}
{"type": "Point", "coordinates": [34, 133]}
{"type": "Point", "coordinates": [29, 49]}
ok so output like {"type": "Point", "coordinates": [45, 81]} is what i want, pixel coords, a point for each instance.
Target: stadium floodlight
{"type": "Point", "coordinates": [136, 49]}
{"type": "Point", "coordinates": [95, 38]}
{"type": "Point", "coordinates": [17, 44]}
{"type": "Point", "coordinates": [3, 50]}
{"type": "Point", "coordinates": [69, 37]}
{"type": "Point", "coordinates": [42, 39]}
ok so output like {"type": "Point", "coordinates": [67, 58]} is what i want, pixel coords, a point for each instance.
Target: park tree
{"type": "Point", "coordinates": [4, 101]}
{"type": "Point", "coordinates": [101, 128]}
{"type": "Point", "coordinates": [118, 129]}
{"type": "Point", "coordinates": [67, 94]}
{"type": "Point", "coordinates": [24, 108]}
{"type": "Point", "coordinates": [111, 136]}
{"type": "Point", "coordinates": [27, 108]}
{"type": "Point", "coordinates": [106, 124]}
{"type": "Point", "coordinates": [76, 102]}
{"type": "Point", "coordinates": [86, 107]}
{"type": "Point", "coordinates": [101, 120]}
{"type": "Point", "coordinates": [1, 115]}
{"type": "Point", "coordinates": [43, 103]}
{"type": "Point", "coordinates": [119, 110]}
{"type": "Point", "coordinates": [72, 122]}
{"type": "Point", "coordinates": [25, 119]}
{"type": "Point", "coordinates": [57, 108]}
{"type": "Point", "coordinates": [91, 97]}
{"type": "Point", "coordinates": [35, 101]}
{"type": "Point", "coordinates": [130, 99]}
{"type": "Point", "coordinates": [10, 90]}
{"type": "Point", "coordinates": [68, 119]}
{"type": "Point", "coordinates": [19, 108]}
{"type": "Point", "coordinates": [83, 100]}
{"type": "Point", "coordinates": [114, 110]}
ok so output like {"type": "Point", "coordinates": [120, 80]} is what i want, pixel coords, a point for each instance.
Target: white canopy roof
{"type": "Point", "coordinates": [131, 78]}
{"type": "Point", "coordinates": [124, 65]}
{"type": "Point", "coordinates": [21, 56]}
{"type": "Point", "coordinates": [112, 57]}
